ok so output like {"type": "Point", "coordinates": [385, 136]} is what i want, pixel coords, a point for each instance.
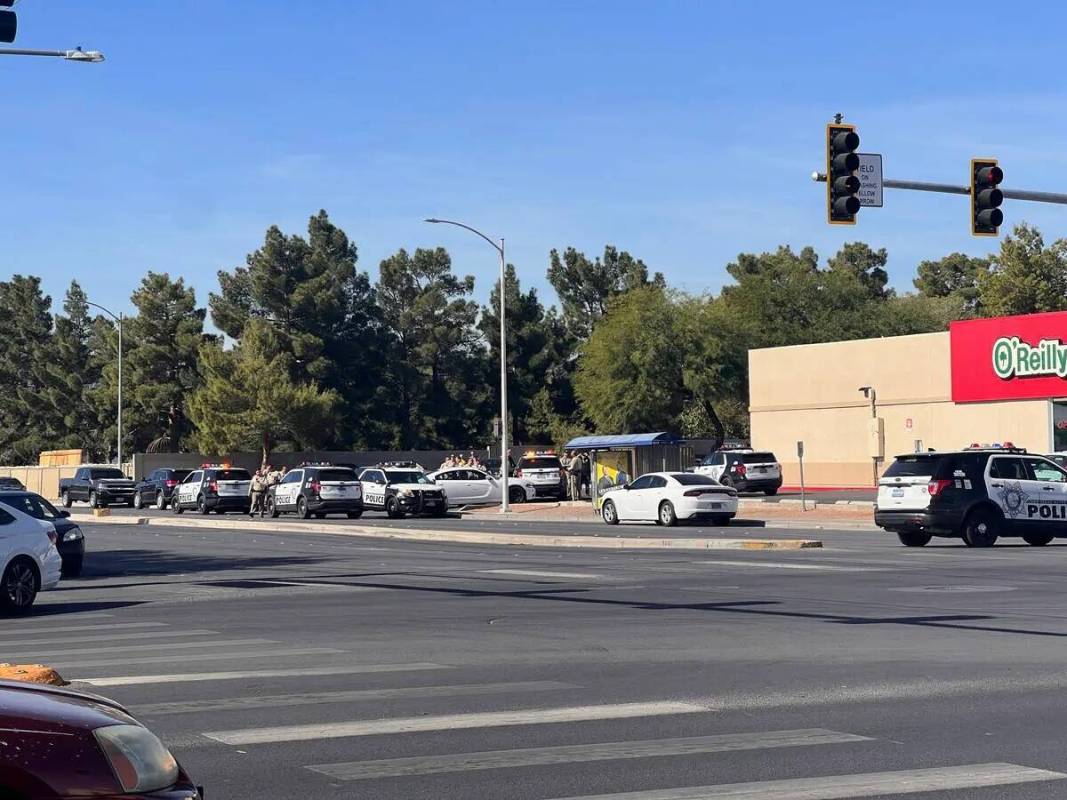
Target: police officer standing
{"type": "Point", "coordinates": [257, 489]}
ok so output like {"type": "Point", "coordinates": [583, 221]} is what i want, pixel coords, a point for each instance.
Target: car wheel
{"type": "Point", "coordinates": [161, 501]}
{"type": "Point", "coordinates": [609, 513]}
{"type": "Point", "coordinates": [770, 492]}
{"type": "Point", "coordinates": [392, 509]}
{"type": "Point", "coordinates": [516, 494]}
{"type": "Point", "coordinates": [67, 502]}
{"type": "Point", "coordinates": [175, 506]}
{"type": "Point", "coordinates": [914, 538]}
{"type": "Point", "coordinates": [981, 528]}
{"type": "Point", "coordinates": [725, 480]}
{"type": "Point", "coordinates": [1038, 539]}
{"type": "Point", "coordinates": [667, 517]}
{"type": "Point", "coordinates": [201, 505]}
{"type": "Point", "coordinates": [356, 514]}
{"type": "Point", "coordinates": [272, 508]}
{"type": "Point", "coordinates": [19, 586]}
{"type": "Point", "coordinates": [72, 567]}
{"type": "Point", "coordinates": [302, 508]}
{"type": "Point", "coordinates": [138, 501]}
{"type": "Point", "coordinates": [720, 520]}
{"type": "Point", "coordinates": [92, 499]}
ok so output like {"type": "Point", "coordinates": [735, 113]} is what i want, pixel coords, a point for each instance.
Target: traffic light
{"type": "Point", "coordinates": [8, 22]}
{"type": "Point", "coordinates": [986, 198]}
{"type": "Point", "coordinates": [842, 183]}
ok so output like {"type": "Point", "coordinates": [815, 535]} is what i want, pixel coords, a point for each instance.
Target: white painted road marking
{"type": "Point", "coordinates": [111, 637]}
{"type": "Point", "coordinates": [143, 647]}
{"type": "Point", "coordinates": [570, 754]}
{"type": "Point", "coordinates": [785, 565]}
{"type": "Point", "coordinates": [196, 658]}
{"type": "Point", "coordinates": [834, 787]}
{"type": "Point", "coordinates": [351, 696]}
{"type": "Point", "coordinates": [493, 719]}
{"type": "Point", "coordinates": [538, 574]}
{"type": "Point", "coordinates": [196, 677]}
{"type": "Point", "coordinates": [79, 628]}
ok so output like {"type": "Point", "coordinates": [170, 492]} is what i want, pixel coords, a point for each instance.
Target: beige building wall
{"type": "Point", "coordinates": [811, 393]}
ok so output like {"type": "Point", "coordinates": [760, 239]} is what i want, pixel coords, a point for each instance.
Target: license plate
{"type": "Point", "coordinates": [716, 505]}
{"type": "Point", "coordinates": [898, 493]}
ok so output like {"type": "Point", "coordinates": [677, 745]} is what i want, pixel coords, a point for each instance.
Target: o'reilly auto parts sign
{"type": "Point", "coordinates": [1009, 358]}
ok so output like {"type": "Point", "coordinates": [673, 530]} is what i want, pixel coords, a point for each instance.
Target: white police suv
{"type": "Point", "coordinates": [745, 469]}
{"type": "Point", "coordinates": [978, 494]}
{"type": "Point", "coordinates": [401, 491]}
{"type": "Point", "coordinates": [317, 490]}
{"type": "Point", "coordinates": [213, 487]}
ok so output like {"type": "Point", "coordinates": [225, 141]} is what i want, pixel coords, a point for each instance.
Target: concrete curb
{"type": "Point", "coordinates": [477, 537]}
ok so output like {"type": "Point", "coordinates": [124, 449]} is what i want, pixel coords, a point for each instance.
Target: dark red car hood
{"type": "Point", "coordinates": [30, 707]}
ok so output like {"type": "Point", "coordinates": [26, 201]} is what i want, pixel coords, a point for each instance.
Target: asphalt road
{"type": "Point", "coordinates": [319, 666]}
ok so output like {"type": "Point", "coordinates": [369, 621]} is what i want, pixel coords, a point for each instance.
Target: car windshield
{"type": "Point", "coordinates": [180, 474]}
{"type": "Point", "coordinates": [406, 477]}
{"type": "Point", "coordinates": [233, 475]}
{"type": "Point", "coordinates": [757, 458]}
{"type": "Point", "coordinates": [336, 475]}
{"type": "Point", "coordinates": [692, 479]}
{"type": "Point", "coordinates": [31, 504]}
{"type": "Point", "coordinates": [106, 473]}
{"type": "Point", "coordinates": [912, 467]}
{"type": "Point", "coordinates": [540, 462]}
{"type": "Point", "coordinates": [11, 483]}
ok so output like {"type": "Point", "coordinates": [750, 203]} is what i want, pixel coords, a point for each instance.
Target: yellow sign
{"type": "Point", "coordinates": [612, 469]}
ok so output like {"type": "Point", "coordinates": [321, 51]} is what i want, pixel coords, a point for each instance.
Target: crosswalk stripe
{"type": "Point", "coordinates": [194, 658]}
{"type": "Point", "coordinates": [546, 716]}
{"type": "Point", "coordinates": [538, 574]}
{"type": "Point", "coordinates": [835, 787]}
{"type": "Point", "coordinates": [143, 647]}
{"type": "Point", "coordinates": [109, 637]}
{"type": "Point", "coordinates": [724, 562]}
{"type": "Point", "coordinates": [351, 696]}
{"type": "Point", "coordinates": [79, 628]}
{"type": "Point", "coordinates": [570, 754]}
{"type": "Point", "coordinates": [197, 677]}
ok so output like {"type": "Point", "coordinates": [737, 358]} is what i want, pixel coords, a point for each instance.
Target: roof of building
{"type": "Point", "coordinates": [623, 440]}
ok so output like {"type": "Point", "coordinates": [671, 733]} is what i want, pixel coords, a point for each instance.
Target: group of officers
{"type": "Point", "coordinates": [578, 470]}
{"type": "Point", "coordinates": [262, 480]}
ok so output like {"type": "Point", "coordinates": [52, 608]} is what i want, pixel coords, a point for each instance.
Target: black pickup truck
{"type": "Point", "coordinates": [97, 486]}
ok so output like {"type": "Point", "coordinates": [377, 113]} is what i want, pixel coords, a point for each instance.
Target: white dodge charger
{"type": "Point", "coordinates": [666, 497]}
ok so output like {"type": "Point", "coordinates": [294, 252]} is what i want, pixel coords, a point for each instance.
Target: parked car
{"type": "Point", "coordinates": [746, 470]}
{"type": "Point", "coordinates": [157, 488]}
{"type": "Point", "coordinates": [214, 487]}
{"type": "Point", "coordinates": [666, 497]}
{"type": "Point", "coordinates": [70, 541]}
{"type": "Point", "coordinates": [399, 492]}
{"type": "Point", "coordinates": [97, 486]}
{"type": "Point", "coordinates": [545, 471]}
{"type": "Point", "coordinates": [29, 562]}
{"type": "Point", "coordinates": [467, 486]}
{"type": "Point", "coordinates": [316, 490]}
{"type": "Point", "coordinates": [11, 483]}
{"type": "Point", "coordinates": [75, 745]}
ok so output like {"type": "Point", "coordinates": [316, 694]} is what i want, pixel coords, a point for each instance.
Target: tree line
{"type": "Point", "coordinates": [314, 354]}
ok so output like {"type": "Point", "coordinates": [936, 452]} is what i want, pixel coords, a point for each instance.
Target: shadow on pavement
{"type": "Point", "coordinates": [46, 609]}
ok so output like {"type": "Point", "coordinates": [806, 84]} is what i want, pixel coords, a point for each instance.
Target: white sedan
{"type": "Point", "coordinates": [468, 486]}
{"type": "Point", "coordinates": [666, 497]}
{"type": "Point", "coordinates": [29, 561]}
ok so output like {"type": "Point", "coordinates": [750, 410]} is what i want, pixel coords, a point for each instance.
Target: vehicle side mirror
{"type": "Point", "coordinates": [64, 514]}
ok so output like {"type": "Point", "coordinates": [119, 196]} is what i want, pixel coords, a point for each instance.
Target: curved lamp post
{"type": "Point", "coordinates": [118, 320]}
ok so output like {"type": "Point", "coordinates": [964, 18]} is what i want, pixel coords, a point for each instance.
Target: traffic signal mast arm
{"type": "Point", "coordinates": [948, 188]}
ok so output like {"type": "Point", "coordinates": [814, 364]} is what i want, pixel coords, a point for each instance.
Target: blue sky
{"type": "Point", "coordinates": [682, 131]}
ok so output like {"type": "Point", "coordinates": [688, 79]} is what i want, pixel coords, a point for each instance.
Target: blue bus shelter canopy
{"type": "Point", "coordinates": [622, 440]}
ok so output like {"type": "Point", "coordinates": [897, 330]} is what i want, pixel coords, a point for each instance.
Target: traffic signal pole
{"type": "Point", "coordinates": [948, 188]}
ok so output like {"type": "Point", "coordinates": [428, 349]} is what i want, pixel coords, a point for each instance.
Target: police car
{"type": "Point", "coordinates": [745, 469]}
{"type": "Point", "coordinates": [401, 490]}
{"type": "Point", "coordinates": [545, 471]}
{"type": "Point", "coordinates": [213, 487]}
{"type": "Point", "coordinates": [978, 494]}
{"type": "Point", "coordinates": [316, 490]}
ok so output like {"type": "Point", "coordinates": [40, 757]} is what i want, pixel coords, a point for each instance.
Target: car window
{"type": "Point", "coordinates": [1046, 471]}
{"type": "Point", "coordinates": [1009, 469]}
{"type": "Point", "coordinates": [5, 518]}
{"type": "Point", "coordinates": [336, 475]}
{"type": "Point", "coordinates": [476, 475]}
{"type": "Point", "coordinates": [644, 482]}
{"type": "Point", "coordinates": [916, 466]}
{"type": "Point", "coordinates": [31, 504]}
{"type": "Point", "coordinates": [373, 476]}
{"type": "Point", "coordinates": [758, 458]}
{"type": "Point", "coordinates": [692, 479]}
{"type": "Point", "coordinates": [176, 474]}
{"type": "Point", "coordinates": [293, 477]}
{"type": "Point", "coordinates": [233, 475]}
{"type": "Point", "coordinates": [194, 477]}
{"type": "Point", "coordinates": [406, 477]}
{"type": "Point", "coordinates": [539, 462]}
{"type": "Point", "coordinates": [450, 475]}
{"type": "Point", "coordinates": [658, 482]}
{"type": "Point", "coordinates": [106, 473]}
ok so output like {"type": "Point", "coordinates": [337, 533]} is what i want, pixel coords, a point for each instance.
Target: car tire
{"type": "Point", "coordinates": [770, 492]}
{"type": "Point", "coordinates": [914, 538]}
{"type": "Point", "coordinates": [272, 508]}
{"type": "Point", "coordinates": [392, 509]}
{"type": "Point", "coordinates": [19, 586]}
{"type": "Point", "coordinates": [65, 497]}
{"type": "Point", "coordinates": [355, 514]}
{"type": "Point", "coordinates": [1038, 539]}
{"type": "Point", "coordinates": [302, 508]}
{"type": "Point", "coordinates": [667, 517]}
{"type": "Point", "coordinates": [720, 520]}
{"type": "Point", "coordinates": [72, 567]}
{"type": "Point", "coordinates": [516, 495]}
{"type": "Point", "coordinates": [161, 501]}
{"type": "Point", "coordinates": [981, 528]}
{"type": "Point", "coordinates": [93, 500]}
{"type": "Point", "coordinates": [138, 501]}
{"type": "Point", "coordinates": [609, 513]}
{"type": "Point", "coordinates": [725, 480]}
{"type": "Point", "coordinates": [201, 505]}
{"type": "Point", "coordinates": [175, 506]}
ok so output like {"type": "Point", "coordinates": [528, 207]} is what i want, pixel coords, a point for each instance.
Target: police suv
{"type": "Point", "coordinates": [316, 489]}
{"type": "Point", "coordinates": [744, 469]}
{"type": "Point", "coordinates": [978, 494]}
{"type": "Point", "coordinates": [213, 487]}
{"type": "Point", "coordinates": [401, 490]}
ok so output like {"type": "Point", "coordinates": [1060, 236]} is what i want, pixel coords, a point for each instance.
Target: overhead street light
{"type": "Point", "coordinates": [118, 320]}
{"type": "Point", "coordinates": [77, 54]}
{"type": "Point", "coordinates": [504, 508]}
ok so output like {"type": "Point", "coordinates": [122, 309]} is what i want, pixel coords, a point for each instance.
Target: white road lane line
{"type": "Point", "coordinates": [351, 696]}
{"type": "Point", "coordinates": [538, 574]}
{"type": "Point", "coordinates": [871, 784]}
{"type": "Point", "coordinates": [198, 677]}
{"type": "Point", "coordinates": [194, 658]}
{"type": "Point", "coordinates": [784, 565]}
{"type": "Point", "coordinates": [494, 719]}
{"type": "Point", "coordinates": [109, 637]}
{"type": "Point", "coordinates": [78, 628]}
{"type": "Point", "coordinates": [140, 648]}
{"type": "Point", "coordinates": [571, 754]}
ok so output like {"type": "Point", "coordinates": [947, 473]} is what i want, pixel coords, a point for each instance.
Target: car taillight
{"type": "Point", "coordinates": [699, 492]}
{"type": "Point", "coordinates": [315, 487]}
{"type": "Point", "coordinates": [52, 536]}
{"type": "Point", "coordinates": [518, 473]}
{"type": "Point", "coordinates": [741, 469]}
{"type": "Point", "coordinates": [936, 487]}
{"type": "Point", "coordinates": [213, 487]}
{"type": "Point", "coordinates": [171, 484]}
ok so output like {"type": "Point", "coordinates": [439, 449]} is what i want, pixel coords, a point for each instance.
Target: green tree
{"type": "Point", "coordinates": [25, 342]}
{"type": "Point", "coordinates": [585, 287]}
{"type": "Point", "coordinates": [866, 265]}
{"type": "Point", "coordinates": [1025, 276]}
{"type": "Point", "coordinates": [436, 377]}
{"type": "Point", "coordinates": [249, 399]}
{"type": "Point", "coordinates": [955, 275]}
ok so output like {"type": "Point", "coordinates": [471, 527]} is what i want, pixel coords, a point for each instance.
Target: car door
{"type": "Point", "coordinates": [635, 498]}
{"type": "Point", "coordinates": [149, 487]}
{"type": "Point", "coordinates": [653, 496]}
{"type": "Point", "coordinates": [1012, 488]}
{"type": "Point", "coordinates": [451, 480]}
{"type": "Point", "coordinates": [1051, 490]}
{"type": "Point", "coordinates": [287, 492]}
{"type": "Point", "coordinates": [479, 487]}
{"type": "Point", "coordinates": [79, 489]}
{"type": "Point", "coordinates": [372, 483]}
{"type": "Point", "coordinates": [190, 487]}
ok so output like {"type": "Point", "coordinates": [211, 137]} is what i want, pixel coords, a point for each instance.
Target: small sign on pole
{"type": "Point", "coordinates": [870, 173]}
{"type": "Point", "coordinates": [800, 458]}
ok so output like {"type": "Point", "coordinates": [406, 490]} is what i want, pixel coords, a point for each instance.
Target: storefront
{"type": "Point", "coordinates": [854, 404]}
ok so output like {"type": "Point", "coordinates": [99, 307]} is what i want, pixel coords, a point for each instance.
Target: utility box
{"type": "Point", "coordinates": [876, 437]}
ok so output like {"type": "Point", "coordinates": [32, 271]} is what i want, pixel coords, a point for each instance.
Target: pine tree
{"type": "Point", "coordinates": [25, 342]}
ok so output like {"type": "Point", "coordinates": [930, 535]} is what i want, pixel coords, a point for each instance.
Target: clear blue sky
{"type": "Point", "coordinates": [681, 131]}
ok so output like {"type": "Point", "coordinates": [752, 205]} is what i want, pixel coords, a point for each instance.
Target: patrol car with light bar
{"type": "Point", "coordinates": [213, 487]}
{"type": "Point", "coordinates": [401, 491]}
{"type": "Point", "coordinates": [979, 494]}
{"type": "Point", "coordinates": [315, 489]}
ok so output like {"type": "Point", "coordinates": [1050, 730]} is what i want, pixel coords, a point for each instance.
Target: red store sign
{"type": "Point", "coordinates": [1009, 358]}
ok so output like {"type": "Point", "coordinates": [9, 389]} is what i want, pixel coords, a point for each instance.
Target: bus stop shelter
{"type": "Point", "coordinates": [617, 460]}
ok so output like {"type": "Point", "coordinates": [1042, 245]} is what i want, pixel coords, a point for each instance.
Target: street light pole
{"type": "Point", "coordinates": [118, 320]}
{"type": "Point", "coordinates": [504, 506]}
{"type": "Point", "coordinates": [77, 54]}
